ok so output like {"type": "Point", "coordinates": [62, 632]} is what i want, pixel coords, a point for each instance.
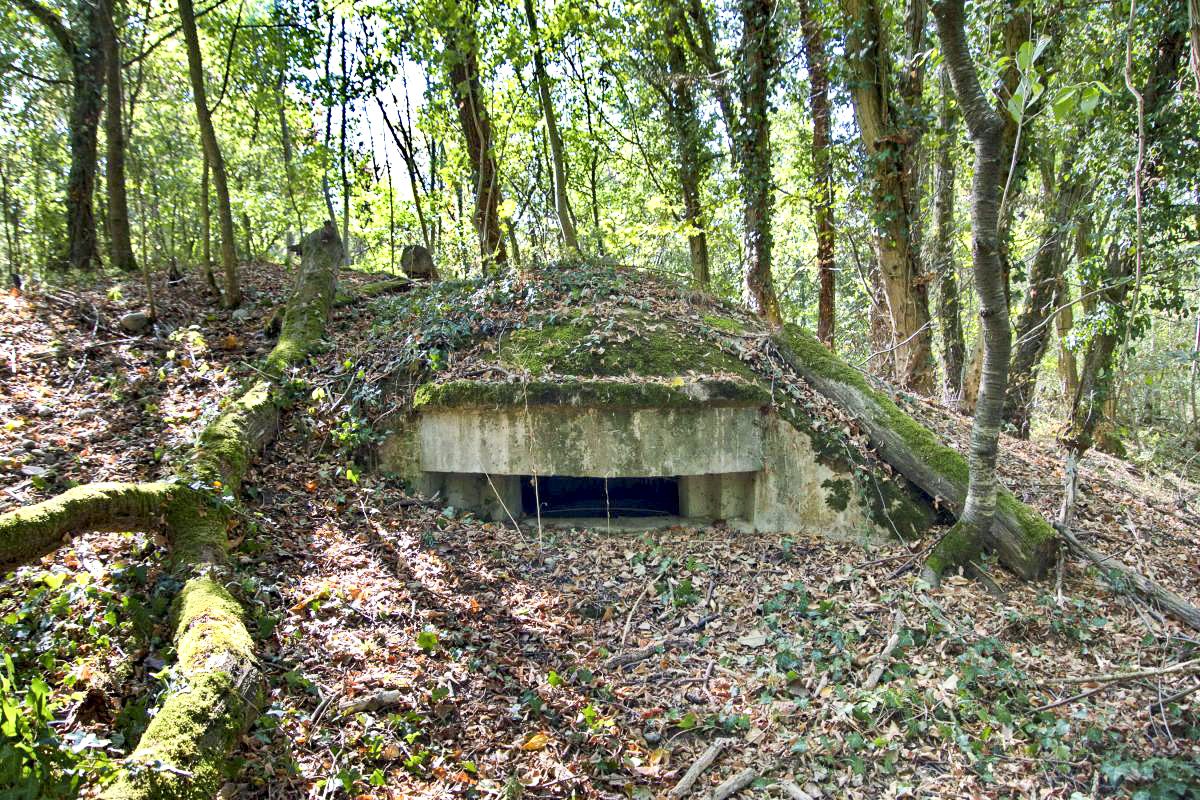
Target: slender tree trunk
{"type": "Point", "coordinates": [285, 141]}
{"type": "Point", "coordinates": [1033, 323]}
{"type": "Point", "coordinates": [404, 143]}
{"type": "Point", "coordinates": [985, 127]}
{"type": "Point", "coordinates": [562, 203]}
{"type": "Point", "coordinates": [685, 123]}
{"type": "Point", "coordinates": [345, 96]}
{"type": "Point", "coordinates": [1096, 375]}
{"type": "Point", "coordinates": [1068, 369]}
{"type": "Point", "coordinates": [467, 90]}
{"type": "Point", "coordinates": [822, 157]}
{"type": "Point", "coordinates": [700, 40]}
{"type": "Point", "coordinates": [11, 229]}
{"type": "Point", "coordinates": [758, 54]}
{"type": "Point", "coordinates": [120, 245]}
{"type": "Point", "coordinates": [944, 265]}
{"type": "Point", "coordinates": [891, 138]}
{"type": "Point", "coordinates": [232, 297]}
{"type": "Point", "coordinates": [206, 232]}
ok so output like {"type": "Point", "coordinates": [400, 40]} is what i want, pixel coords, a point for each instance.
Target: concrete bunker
{"type": "Point", "coordinates": [636, 453]}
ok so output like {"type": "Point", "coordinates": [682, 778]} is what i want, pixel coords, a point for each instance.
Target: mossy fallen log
{"type": "Point", "coordinates": [370, 290]}
{"type": "Point", "coordinates": [184, 752]}
{"type": "Point", "coordinates": [32, 532]}
{"type": "Point", "coordinates": [1022, 539]}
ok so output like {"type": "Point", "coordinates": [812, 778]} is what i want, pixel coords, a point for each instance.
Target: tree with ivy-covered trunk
{"type": "Point", "coordinates": [758, 54]}
{"type": "Point", "coordinates": [82, 45]}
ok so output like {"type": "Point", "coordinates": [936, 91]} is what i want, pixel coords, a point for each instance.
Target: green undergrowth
{"type": "Point", "coordinates": [83, 662]}
{"type": "Point", "coordinates": [980, 699]}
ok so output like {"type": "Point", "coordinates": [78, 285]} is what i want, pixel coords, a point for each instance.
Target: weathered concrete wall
{"type": "Point", "coordinates": [595, 442]}
{"type": "Point", "coordinates": [794, 491]}
{"type": "Point", "coordinates": [741, 464]}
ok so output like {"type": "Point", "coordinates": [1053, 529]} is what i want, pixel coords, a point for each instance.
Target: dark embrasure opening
{"type": "Point", "coordinates": [561, 496]}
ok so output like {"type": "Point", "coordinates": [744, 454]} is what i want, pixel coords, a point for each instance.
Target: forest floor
{"type": "Point", "coordinates": [413, 652]}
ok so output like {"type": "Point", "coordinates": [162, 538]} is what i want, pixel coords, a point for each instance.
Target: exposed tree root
{"type": "Point", "coordinates": [184, 751]}
{"type": "Point", "coordinates": [31, 532]}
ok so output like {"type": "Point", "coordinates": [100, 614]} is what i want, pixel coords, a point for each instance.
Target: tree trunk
{"type": "Point", "coordinates": [822, 158]}
{"type": "Point", "coordinates": [974, 527]}
{"type": "Point", "coordinates": [466, 88]}
{"type": "Point", "coordinates": [345, 97]}
{"type": "Point", "coordinates": [206, 232]}
{"type": "Point", "coordinates": [758, 55]}
{"type": "Point", "coordinates": [949, 310]}
{"type": "Point", "coordinates": [685, 122]}
{"type": "Point", "coordinates": [562, 204]}
{"type": "Point", "coordinates": [212, 150]}
{"type": "Point", "coordinates": [1096, 376]}
{"type": "Point", "coordinates": [84, 50]}
{"type": "Point", "coordinates": [285, 141]}
{"type": "Point", "coordinates": [699, 37]}
{"type": "Point", "coordinates": [1068, 369]}
{"type": "Point", "coordinates": [1033, 323]}
{"type": "Point", "coordinates": [891, 137]}
{"type": "Point", "coordinates": [120, 245]}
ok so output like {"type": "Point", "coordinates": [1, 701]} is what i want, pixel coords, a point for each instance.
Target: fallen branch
{"type": "Point", "coordinates": [385, 698]}
{"type": "Point", "coordinates": [706, 759]}
{"type": "Point", "coordinates": [642, 653]}
{"type": "Point", "coordinates": [793, 790]}
{"type": "Point", "coordinates": [881, 660]}
{"type": "Point", "coordinates": [732, 786]}
{"type": "Point", "coordinates": [184, 752]}
{"type": "Point", "coordinates": [370, 290]}
{"type": "Point", "coordinates": [1130, 579]}
{"type": "Point", "coordinates": [1186, 667]}
{"type": "Point", "coordinates": [32, 532]}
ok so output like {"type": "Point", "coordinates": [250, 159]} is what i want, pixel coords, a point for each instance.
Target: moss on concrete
{"type": "Point", "coordinates": [838, 497]}
{"type": "Point", "coordinates": [590, 394]}
{"type": "Point", "coordinates": [1029, 544]}
{"type": "Point", "coordinates": [580, 347]}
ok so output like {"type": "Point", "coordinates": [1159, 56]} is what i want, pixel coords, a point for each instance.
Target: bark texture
{"type": "Point", "coordinates": [463, 72]}
{"type": "Point", "coordinates": [754, 155]}
{"type": "Point", "coordinates": [886, 106]}
{"type": "Point", "coordinates": [685, 124]}
{"type": "Point", "coordinates": [120, 242]}
{"type": "Point", "coordinates": [974, 527]}
{"type": "Point", "coordinates": [817, 61]}
{"type": "Point", "coordinates": [232, 297]}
